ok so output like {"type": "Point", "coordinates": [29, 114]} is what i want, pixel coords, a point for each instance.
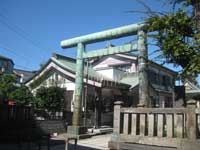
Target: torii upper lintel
{"type": "Point", "coordinates": [104, 35]}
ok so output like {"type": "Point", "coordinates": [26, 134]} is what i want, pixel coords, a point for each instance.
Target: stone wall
{"type": "Point", "coordinates": [107, 119]}
{"type": "Point", "coordinates": [58, 126]}
{"type": "Point", "coordinates": [52, 126]}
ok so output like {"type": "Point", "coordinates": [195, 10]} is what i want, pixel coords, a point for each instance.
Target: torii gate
{"type": "Point", "coordinates": [82, 41]}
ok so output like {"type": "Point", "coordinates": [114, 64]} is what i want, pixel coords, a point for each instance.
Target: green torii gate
{"type": "Point", "coordinates": [82, 41]}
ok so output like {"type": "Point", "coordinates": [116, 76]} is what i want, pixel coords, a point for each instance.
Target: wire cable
{"type": "Point", "coordinates": [20, 32]}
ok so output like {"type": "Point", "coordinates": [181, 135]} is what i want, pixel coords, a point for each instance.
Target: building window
{"type": "Point", "coordinates": [154, 101]}
{"type": "Point", "coordinates": [168, 102]}
{"type": "Point", "coordinates": [153, 77]}
{"type": "Point", "coordinates": [164, 80]}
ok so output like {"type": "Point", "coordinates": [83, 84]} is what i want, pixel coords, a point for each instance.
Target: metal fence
{"type": "Point", "coordinates": [9, 112]}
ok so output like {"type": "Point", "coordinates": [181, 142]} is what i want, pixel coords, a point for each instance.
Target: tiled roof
{"type": "Point", "coordinates": [130, 79]}
{"type": "Point", "coordinates": [26, 74]}
{"type": "Point", "coordinates": [70, 65]}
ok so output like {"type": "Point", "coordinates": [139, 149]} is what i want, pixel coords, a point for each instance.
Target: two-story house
{"type": "Point", "coordinates": [6, 65]}
{"type": "Point", "coordinates": [123, 68]}
{"type": "Point", "coordinates": [115, 77]}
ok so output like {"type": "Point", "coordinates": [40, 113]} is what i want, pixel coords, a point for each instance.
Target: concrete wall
{"type": "Point", "coordinates": [107, 73]}
{"type": "Point", "coordinates": [51, 126]}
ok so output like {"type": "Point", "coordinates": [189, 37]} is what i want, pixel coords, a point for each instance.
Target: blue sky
{"type": "Point", "coordinates": [31, 30]}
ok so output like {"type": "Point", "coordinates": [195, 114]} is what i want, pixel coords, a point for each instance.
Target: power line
{"type": "Point", "coordinates": [23, 67]}
{"type": "Point", "coordinates": [7, 49]}
{"type": "Point", "coordinates": [20, 32]}
{"type": "Point", "coordinates": [11, 51]}
{"type": "Point", "coordinates": [16, 26]}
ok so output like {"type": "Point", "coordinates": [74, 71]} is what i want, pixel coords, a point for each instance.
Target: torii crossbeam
{"type": "Point", "coordinates": [82, 41]}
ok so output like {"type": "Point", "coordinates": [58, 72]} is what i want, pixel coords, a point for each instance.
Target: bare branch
{"type": "Point", "coordinates": [152, 13]}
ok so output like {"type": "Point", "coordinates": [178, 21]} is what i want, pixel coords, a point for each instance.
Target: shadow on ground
{"type": "Point", "coordinates": [54, 145]}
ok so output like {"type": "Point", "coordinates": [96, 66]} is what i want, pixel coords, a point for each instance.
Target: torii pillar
{"type": "Point", "coordinates": [78, 84]}
{"type": "Point", "coordinates": [143, 70]}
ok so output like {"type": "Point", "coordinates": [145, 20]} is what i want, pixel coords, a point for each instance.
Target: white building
{"type": "Point", "coordinates": [110, 78]}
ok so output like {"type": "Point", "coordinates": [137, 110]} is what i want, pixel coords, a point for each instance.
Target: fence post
{"type": "Point", "coordinates": [116, 122]}
{"type": "Point", "coordinates": [191, 120]}
{"type": "Point", "coordinates": [142, 120]}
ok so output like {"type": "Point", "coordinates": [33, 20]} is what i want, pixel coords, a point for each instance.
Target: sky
{"type": "Point", "coordinates": [31, 30]}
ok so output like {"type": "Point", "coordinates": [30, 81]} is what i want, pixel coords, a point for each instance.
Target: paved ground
{"type": "Point", "coordinates": [99, 142]}
{"type": "Point", "coordinates": [95, 142]}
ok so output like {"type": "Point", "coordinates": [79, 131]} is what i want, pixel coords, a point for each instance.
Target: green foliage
{"type": "Point", "coordinates": [51, 99]}
{"type": "Point", "coordinates": [7, 85]}
{"type": "Point", "coordinates": [40, 98]}
{"type": "Point", "coordinates": [10, 90]}
{"type": "Point", "coordinates": [22, 96]}
{"type": "Point", "coordinates": [178, 40]}
{"type": "Point", "coordinates": [185, 2]}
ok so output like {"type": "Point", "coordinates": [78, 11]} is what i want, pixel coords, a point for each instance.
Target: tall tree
{"type": "Point", "coordinates": [177, 35]}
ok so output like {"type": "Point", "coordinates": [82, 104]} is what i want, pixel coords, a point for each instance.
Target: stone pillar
{"type": "Point", "coordinates": [116, 122]}
{"type": "Point", "coordinates": [143, 68]}
{"type": "Point", "coordinates": [191, 120]}
{"type": "Point", "coordinates": [78, 85]}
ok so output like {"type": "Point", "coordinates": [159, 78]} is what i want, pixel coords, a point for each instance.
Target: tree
{"type": "Point", "coordinates": [40, 98]}
{"type": "Point", "coordinates": [177, 35]}
{"type": "Point", "coordinates": [196, 8]}
{"type": "Point", "coordinates": [22, 96]}
{"type": "Point", "coordinates": [9, 90]}
{"type": "Point", "coordinates": [51, 99]}
{"type": "Point", "coordinates": [7, 86]}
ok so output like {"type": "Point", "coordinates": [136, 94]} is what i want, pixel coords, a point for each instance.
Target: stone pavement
{"type": "Point", "coordinates": [98, 142]}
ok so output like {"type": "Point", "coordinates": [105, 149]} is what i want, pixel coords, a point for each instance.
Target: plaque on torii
{"type": "Point", "coordinates": [124, 31]}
